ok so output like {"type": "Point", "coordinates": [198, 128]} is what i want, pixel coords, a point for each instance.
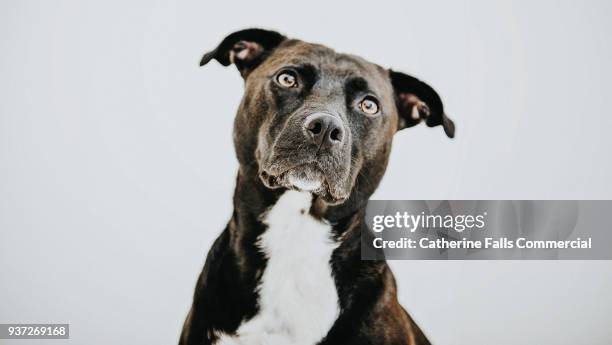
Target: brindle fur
{"type": "Point", "coordinates": [268, 141]}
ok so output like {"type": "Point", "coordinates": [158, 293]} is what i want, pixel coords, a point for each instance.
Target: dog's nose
{"type": "Point", "coordinates": [324, 130]}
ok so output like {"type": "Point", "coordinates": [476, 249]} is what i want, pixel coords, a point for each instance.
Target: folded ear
{"type": "Point", "coordinates": [246, 49]}
{"type": "Point", "coordinates": [417, 101]}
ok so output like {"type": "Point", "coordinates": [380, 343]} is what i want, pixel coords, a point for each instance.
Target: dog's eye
{"type": "Point", "coordinates": [369, 105]}
{"type": "Point", "coordinates": [287, 79]}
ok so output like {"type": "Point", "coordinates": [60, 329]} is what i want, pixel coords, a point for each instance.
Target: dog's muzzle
{"type": "Point", "coordinates": [310, 154]}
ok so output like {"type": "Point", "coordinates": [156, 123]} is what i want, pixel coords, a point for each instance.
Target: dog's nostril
{"type": "Point", "coordinates": [335, 135]}
{"type": "Point", "coordinates": [315, 127]}
{"type": "Point", "coordinates": [324, 130]}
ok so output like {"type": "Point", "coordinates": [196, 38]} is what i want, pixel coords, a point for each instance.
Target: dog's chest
{"type": "Point", "coordinates": [298, 301]}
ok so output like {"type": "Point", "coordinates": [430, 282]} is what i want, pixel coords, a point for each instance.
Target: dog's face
{"type": "Point", "coordinates": [316, 120]}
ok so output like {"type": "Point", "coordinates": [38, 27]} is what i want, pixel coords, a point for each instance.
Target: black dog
{"type": "Point", "coordinates": [312, 135]}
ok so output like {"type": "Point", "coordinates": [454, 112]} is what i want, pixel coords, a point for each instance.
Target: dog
{"type": "Point", "coordinates": [312, 135]}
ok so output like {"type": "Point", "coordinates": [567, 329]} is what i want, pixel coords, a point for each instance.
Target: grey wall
{"type": "Point", "coordinates": [116, 164]}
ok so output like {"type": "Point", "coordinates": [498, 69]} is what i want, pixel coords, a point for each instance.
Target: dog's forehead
{"type": "Point", "coordinates": [326, 60]}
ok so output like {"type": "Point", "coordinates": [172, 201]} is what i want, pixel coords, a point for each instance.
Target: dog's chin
{"type": "Point", "coordinates": [308, 184]}
{"type": "Point", "coordinates": [304, 178]}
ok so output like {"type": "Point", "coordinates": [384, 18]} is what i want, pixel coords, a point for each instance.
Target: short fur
{"type": "Point", "coordinates": [240, 294]}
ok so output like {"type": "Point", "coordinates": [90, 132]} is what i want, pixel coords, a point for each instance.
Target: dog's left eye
{"type": "Point", "coordinates": [369, 105]}
{"type": "Point", "coordinates": [287, 79]}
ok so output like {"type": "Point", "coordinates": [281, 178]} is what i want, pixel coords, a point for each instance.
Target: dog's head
{"type": "Point", "coordinates": [316, 120]}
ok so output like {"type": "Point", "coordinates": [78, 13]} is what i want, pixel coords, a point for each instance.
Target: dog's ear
{"type": "Point", "coordinates": [416, 101]}
{"type": "Point", "coordinates": [246, 49]}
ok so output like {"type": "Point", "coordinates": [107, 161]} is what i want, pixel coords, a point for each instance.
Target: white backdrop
{"type": "Point", "coordinates": [117, 167]}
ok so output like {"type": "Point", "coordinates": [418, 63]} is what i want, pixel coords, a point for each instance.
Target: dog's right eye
{"type": "Point", "coordinates": [287, 79]}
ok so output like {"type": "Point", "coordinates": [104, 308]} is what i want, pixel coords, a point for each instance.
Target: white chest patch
{"type": "Point", "coordinates": [297, 295]}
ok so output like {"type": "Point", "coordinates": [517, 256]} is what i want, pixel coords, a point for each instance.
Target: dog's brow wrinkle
{"type": "Point", "coordinates": [357, 84]}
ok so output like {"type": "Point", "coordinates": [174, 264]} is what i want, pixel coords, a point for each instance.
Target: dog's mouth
{"type": "Point", "coordinates": [307, 177]}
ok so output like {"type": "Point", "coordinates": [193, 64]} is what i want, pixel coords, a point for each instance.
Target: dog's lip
{"type": "Point", "coordinates": [284, 170]}
{"type": "Point", "coordinates": [278, 180]}
{"type": "Point", "coordinates": [311, 165]}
